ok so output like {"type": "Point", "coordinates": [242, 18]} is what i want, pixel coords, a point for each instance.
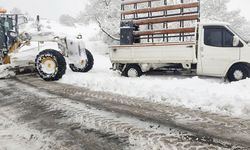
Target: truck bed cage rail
{"type": "Point", "coordinates": [161, 8]}
{"type": "Point", "coordinates": [166, 31]}
{"type": "Point", "coordinates": [131, 2]}
{"type": "Point", "coordinates": [166, 19]}
{"type": "Point", "coordinates": [178, 20]}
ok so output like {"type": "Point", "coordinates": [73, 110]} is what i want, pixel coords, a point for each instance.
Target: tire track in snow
{"type": "Point", "coordinates": [15, 134]}
{"type": "Point", "coordinates": [105, 99]}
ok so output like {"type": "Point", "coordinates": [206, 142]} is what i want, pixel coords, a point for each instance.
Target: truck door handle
{"type": "Point", "coordinates": [190, 46]}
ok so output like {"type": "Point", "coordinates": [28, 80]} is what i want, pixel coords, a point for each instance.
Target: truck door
{"type": "Point", "coordinates": [217, 51]}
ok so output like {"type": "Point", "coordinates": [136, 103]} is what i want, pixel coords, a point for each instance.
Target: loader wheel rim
{"type": "Point", "coordinates": [238, 75]}
{"type": "Point", "coordinates": [48, 66]}
{"type": "Point", "coordinates": [132, 72]}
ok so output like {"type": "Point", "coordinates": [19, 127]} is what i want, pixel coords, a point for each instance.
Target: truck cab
{"type": "Point", "coordinates": [222, 52]}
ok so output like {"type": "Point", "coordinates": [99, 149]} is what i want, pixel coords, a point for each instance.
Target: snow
{"type": "Point", "coordinates": [208, 94]}
{"type": "Point", "coordinates": [5, 71]}
{"type": "Point", "coordinates": [14, 135]}
{"type": "Point", "coordinates": [55, 28]}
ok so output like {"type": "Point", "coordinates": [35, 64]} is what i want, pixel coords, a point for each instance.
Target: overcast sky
{"type": "Point", "coordinates": [243, 5]}
{"type": "Point", "coordinates": [46, 8]}
{"type": "Point", "coordinates": [54, 8]}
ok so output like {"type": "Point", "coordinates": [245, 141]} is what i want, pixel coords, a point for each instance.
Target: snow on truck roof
{"type": "Point", "coordinates": [209, 22]}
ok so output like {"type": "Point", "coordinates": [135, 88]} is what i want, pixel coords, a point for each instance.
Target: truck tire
{"type": "Point", "coordinates": [132, 70]}
{"type": "Point", "coordinates": [89, 64]}
{"type": "Point", "coordinates": [238, 72]}
{"type": "Point", "coordinates": [50, 65]}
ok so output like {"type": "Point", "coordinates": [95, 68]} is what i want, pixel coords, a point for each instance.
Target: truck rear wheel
{"type": "Point", "coordinates": [238, 72]}
{"type": "Point", "coordinates": [132, 70]}
{"type": "Point", "coordinates": [89, 64]}
{"type": "Point", "coordinates": [51, 65]}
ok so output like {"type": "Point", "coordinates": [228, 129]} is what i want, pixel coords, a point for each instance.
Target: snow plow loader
{"type": "Point", "coordinates": [50, 63]}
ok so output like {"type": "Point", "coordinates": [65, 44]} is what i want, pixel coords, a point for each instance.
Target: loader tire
{"type": "Point", "coordinates": [132, 70]}
{"type": "Point", "coordinates": [238, 72]}
{"type": "Point", "coordinates": [50, 65]}
{"type": "Point", "coordinates": [89, 64]}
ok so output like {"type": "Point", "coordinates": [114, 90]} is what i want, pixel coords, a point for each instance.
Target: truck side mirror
{"type": "Point", "coordinates": [236, 41]}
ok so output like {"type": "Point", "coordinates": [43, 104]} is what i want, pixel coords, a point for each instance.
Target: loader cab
{"type": "Point", "coordinates": [3, 38]}
{"type": "Point", "coordinates": [9, 24]}
{"type": "Point", "coordinates": [5, 25]}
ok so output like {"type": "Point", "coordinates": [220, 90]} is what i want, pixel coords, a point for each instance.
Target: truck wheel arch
{"type": "Point", "coordinates": [235, 64]}
{"type": "Point", "coordinates": [135, 67]}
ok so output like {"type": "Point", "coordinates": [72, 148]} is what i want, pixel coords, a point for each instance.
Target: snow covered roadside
{"type": "Point", "coordinates": [207, 94]}
{"type": "Point", "coordinates": [18, 136]}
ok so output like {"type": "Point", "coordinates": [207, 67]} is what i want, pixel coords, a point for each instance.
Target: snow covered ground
{"type": "Point", "coordinates": [15, 135]}
{"type": "Point", "coordinates": [207, 94]}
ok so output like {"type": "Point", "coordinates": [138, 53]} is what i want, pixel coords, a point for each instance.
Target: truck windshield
{"type": "Point", "coordinates": [237, 33]}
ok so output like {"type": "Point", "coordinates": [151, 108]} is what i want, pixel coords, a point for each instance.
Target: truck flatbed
{"type": "Point", "coordinates": [154, 44]}
{"type": "Point", "coordinates": [171, 37]}
{"type": "Point", "coordinates": [175, 52]}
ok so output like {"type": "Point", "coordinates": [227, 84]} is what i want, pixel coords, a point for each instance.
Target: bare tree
{"type": "Point", "coordinates": [217, 10]}
{"type": "Point", "coordinates": [107, 14]}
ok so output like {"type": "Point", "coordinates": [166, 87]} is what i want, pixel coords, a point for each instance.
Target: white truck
{"type": "Point", "coordinates": [217, 51]}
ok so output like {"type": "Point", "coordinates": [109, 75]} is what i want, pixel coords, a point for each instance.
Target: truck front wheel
{"type": "Point", "coordinates": [238, 72]}
{"type": "Point", "coordinates": [132, 70]}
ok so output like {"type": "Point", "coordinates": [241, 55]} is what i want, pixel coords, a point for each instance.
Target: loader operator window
{"type": "Point", "coordinates": [218, 36]}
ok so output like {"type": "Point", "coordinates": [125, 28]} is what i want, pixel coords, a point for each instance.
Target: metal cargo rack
{"type": "Point", "coordinates": [158, 21]}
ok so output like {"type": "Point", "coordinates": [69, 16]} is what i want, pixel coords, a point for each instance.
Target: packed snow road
{"type": "Point", "coordinates": [43, 115]}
